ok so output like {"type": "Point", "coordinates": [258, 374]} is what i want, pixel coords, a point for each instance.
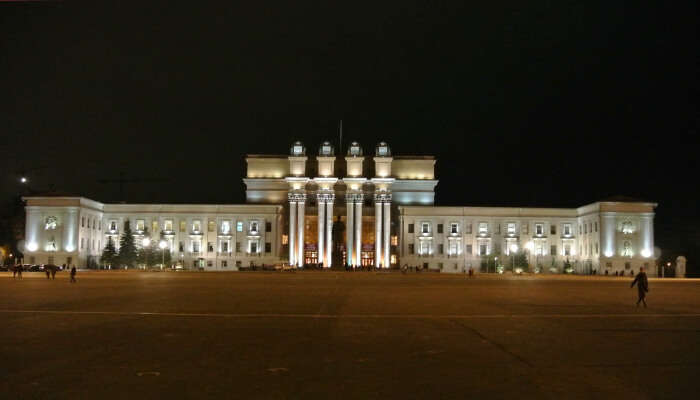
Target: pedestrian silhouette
{"type": "Point", "coordinates": [72, 274]}
{"type": "Point", "coordinates": [642, 286]}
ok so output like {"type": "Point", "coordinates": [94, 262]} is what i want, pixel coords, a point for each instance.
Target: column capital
{"type": "Point", "coordinates": [296, 197]}
{"type": "Point", "coordinates": [382, 197]}
{"type": "Point", "coordinates": [325, 197]}
{"type": "Point", "coordinates": [359, 197]}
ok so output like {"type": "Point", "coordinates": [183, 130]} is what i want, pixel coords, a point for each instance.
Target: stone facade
{"type": "Point", "coordinates": [354, 210]}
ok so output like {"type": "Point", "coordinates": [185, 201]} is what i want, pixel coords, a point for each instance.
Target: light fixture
{"type": "Point", "coordinates": [608, 253]}
{"type": "Point", "coordinates": [146, 242]}
{"type": "Point", "coordinates": [23, 179]}
{"type": "Point", "coordinates": [162, 244]}
{"type": "Point", "coordinates": [32, 246]}
{"type": "Point", "coordinates": [514, 248]}
{"type": "Point", "coordinates": [646, 253]}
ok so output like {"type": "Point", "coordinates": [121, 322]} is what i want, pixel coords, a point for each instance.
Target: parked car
{"type": "Point", "coordinates": [4, 268]}
{"type": "Point", "coordinates": [34, 268]}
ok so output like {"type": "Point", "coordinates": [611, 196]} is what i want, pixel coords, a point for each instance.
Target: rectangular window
{"type": "Point", "coordinates": [99, 225]}
{"type": "Point", "coordinates": [88, 223]}
{"type": "Point", "coordinates": [482, 249]}
{"type": "Point", "coordinates": [424, 247]}
{"type": "Point", "coordinates": [392, 259]}
{"type": "Point", "coordinates": [268, 247]}
{"type": "Point", "coordinates": [525, 228]}
{"type": "Point", "coordinates": [224, 246]}
{"type": "Point", "coordinates": [553, 229]}
{"type": "Point", "coordinates": [469, 249]}
{"type": "Point", "coordinates": [154, 226]}
{"type": "Point", "coordinates": [511, 228]}
{"type": "Point", "coordinates": [181, 247]}
{"type": "Point", "coordinates": [168, 225]}
{"type": "Point", "coordinates": [585, 228]}
{"type": "Point", "coordinates": [210, 263]}
{"type": "Point", "coordinates": [82, 243]}
{"type": "Point", "coordinates": [483, 228]}
{"type": "Point", "coordinates": [140, 225]}
{"type": "Point", "coordinates": [469, 228]}
{"type": "Point", "coordinates": [439, 228]}
{"type": "Point", "coordinates": [268, 226]}
{"type": "Point", "coordinates": [608, 265]}
{"type": "Point", "coordinates": [567, 229]}
{"type": "Point", "coordinates": [539, 229]}
{"type": "Point", "coordinates": [113, 225]}
{"type": "Point", "coordinates": [183, 226]}
{"type": "Point", "coordinates": [82, 222]}
{"type": "Point", "coordinates": [567, 249]}
{"type": "Point", "coordinates": [254, 227]}
{"type": "Point", "coordinates": [212, 226]}
{"type": "Point", "coordinates": [253, 247]}
{"type": "Point", "coordinates": [394, 240]}
{"type": "Point", "coordinates": [224, 263]}
{"type": "Point", "coordinates": [225, 227]}
{"type": "Point", "coordinates": [539, 250]}
{"type": "Point", "coordinates": [453, 228]}
{"type": "Point", "coordinates": [596, 226]}
{"type": "Point", "coordinates": [238, 264]}
{"type": "Point", "coordinates": [553, 250]}
{"type": "Point", "coordinates": [628, 265]}
{"type": "Point", "coordinates": [195, 246]}
{"type": "Point", "coordinates": [196, 226]}
{"type": "Point", "coordinates": [285, 239]}
{"type": "Point", "coordinates": [238, 247]}
{"type": "Point", "coordinates": [425, 227]}
{"type": "Point", "coordinates": [441, 248]}
{"type": "Point", "coordinates": [239, 226]}
{"type": "Point", "coordinates": [410, 228]}
{"type": "Point", "coordinates": [210, 247]}
{"type": "Point", "coordinates": [411, 248]}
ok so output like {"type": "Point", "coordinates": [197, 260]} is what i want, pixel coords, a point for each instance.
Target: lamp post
{"type": "Point", "coordinates": [145, 243]}
{"type": "Point", "coordinates": [513, 249]}
{"type": "Point", "coordinates": [162, 246]}
{"type": "Point", "coordinates": [663, 270]}
{"type": "Point", "coordinates": [495, 264]}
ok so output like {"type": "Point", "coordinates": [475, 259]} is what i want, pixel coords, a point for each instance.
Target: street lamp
{"type": "Point", "coordinates": [513, 249]}
{"type": "Point", "coordinates": [162, 246]}
{"type": "Point", "coordinates": [495, 264]}
{"type": "Point", "coordinates": [23, 179]}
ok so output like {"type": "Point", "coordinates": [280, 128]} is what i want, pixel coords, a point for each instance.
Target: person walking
{"type": "Point", "coordinates": [47, 269]}
{"type": "Point", "coordinates": [53, 271]}
{"type": "Point", "coordinates": [642, 286]}
{"type": "Point", "coordinates": [19, 271]}
{"type": "Point", "coordinates": [72, 274]}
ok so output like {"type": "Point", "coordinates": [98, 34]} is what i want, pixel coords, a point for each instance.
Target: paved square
{"type": "Point", "coordinates": [345, 335]}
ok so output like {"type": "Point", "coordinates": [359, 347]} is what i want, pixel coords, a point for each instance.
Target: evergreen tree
{"type": "Point", "coordinates": [109, 253]}
{"type": "Point", "coordinates": [144, 255]}
{"type": "Point", "coordinates": [127, 247]}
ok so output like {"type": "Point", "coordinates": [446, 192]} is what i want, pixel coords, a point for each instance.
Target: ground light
{"type": "Point", "coordinates": [162, 246]}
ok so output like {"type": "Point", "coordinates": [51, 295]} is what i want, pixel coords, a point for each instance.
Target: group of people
{"type": "Point", "coordinates": [50, 271]}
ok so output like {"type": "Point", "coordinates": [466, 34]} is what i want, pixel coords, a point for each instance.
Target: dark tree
{"type": "Point", "coordinates": [127, 248]}
{"type": "Point", "coordinates": [109, 254]}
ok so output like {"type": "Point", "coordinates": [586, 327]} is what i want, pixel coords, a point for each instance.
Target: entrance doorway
{"type": "Point", "coordinates": [310, 257]}
{"type": "Point", "coordinates": [367, 258]}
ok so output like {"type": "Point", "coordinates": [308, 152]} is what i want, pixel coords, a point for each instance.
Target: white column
{"type": "Point", "coordinates": [292, 229]}
{"type": "Point", "coordinates": [321, 222]}
{"type": "Point", "coordinates": [377, 231]}
{"type": "Point", "coordinates": [350, 217]}
{"type": "Point", "coordinates": [329, 231]}
{"type": "Point", "coordinates": [359, 199]}
{"type": "Point", "coordinates": [300, 229]}
{"type": "Point", "coordinates": [387, 231]}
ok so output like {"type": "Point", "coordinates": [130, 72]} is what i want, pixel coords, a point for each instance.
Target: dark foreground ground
{"type": "Point", "coordinates": [345, 335]}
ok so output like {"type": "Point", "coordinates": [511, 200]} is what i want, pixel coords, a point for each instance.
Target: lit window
{"type": "Point", "coordinates": [393, 259]}
{"type": "Point", "coordinates": [483, 228]}
{"type": "Point", "coordinates": [394, 240]}
{"type": "Point", "coordinates": [183, 226]}
{"type": "Point", "coordinates": [195, 246]}
{"type": "Point", "coordinates": [168, 225]}
{"type": "Point", "coordinates": [511, 228]}
{"type": "Point", "coordinates": [239, 226]}
{"type": "Point", "coordinates": [297, 150]}
{"type": "Point", "coordinates": [539, 229]}
{"type": "Point", "coordinates": [140, 224]}
{"type": "Point", "coordinates": [225, 227]}
{"type": "Point", "coordinates": [567, 249]}
{"type": "Point", "coordinates": [211, 226]}
{"type": "Point", "coordinates": [224, 246]}
{"type": "Point", "coordinates": [253, 247]}
{"type": "Point", "coordinates": [113, 225]}
{"type": "Point", "coordinates": [154, 226]}
{"type": "Point", "coordinates": [425, 227]}
{"type": "Point", "coordinates": [627, 227]}
{"type": "Point", "coordinates": [453, 228]}
{"type": "Point", "coordinates": [567, 229]}
{"type": "Point", "coordinates": [285, 239]}
{"type": "Point", "coordinates": [196, 226]}
{"type": "Point", "coordinates": [254, 227]}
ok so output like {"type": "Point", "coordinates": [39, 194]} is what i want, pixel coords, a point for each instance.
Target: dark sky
{"type": "Point", "coordinates": [543, 103]}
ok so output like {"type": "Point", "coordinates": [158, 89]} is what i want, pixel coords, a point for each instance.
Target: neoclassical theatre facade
{"type": "Point", "coordinates": [353, 210]}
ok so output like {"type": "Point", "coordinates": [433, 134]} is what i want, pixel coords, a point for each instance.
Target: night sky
{"type": "Point", "coordinates": [543, 103]}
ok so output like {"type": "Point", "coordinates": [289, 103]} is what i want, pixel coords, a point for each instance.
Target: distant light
{"type": "Point", "coordinates": [646, 253]}
{"type": "Point", "coordinates": [608, 253]}
{"type": "Point", "coordinates": [23, 179]}
{"type": "Point", "coordinates": [514, 248]}
{"type": "Point", "coordinates": [69, 248]}
{"type": "Point", "coordinates": [32, 246]}
{"type": "Point", "coordinates": [162, 244]}
{"type": "Point", "coordinates": [146, 242]}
